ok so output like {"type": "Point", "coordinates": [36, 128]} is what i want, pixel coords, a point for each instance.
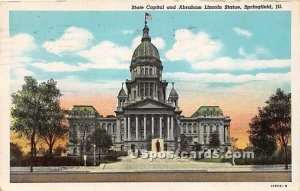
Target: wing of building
{"type": "Point", "coordinates": [146, 112]}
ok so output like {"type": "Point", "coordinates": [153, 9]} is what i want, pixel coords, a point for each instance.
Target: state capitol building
{"type": "Point", "coordinates": [146, 111]}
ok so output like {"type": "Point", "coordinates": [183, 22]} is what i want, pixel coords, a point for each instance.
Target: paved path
{"type": "Point", "coordinates": [128, 164]}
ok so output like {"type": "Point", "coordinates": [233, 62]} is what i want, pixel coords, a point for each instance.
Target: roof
{"type": "Point", "coordinates": [208, 111]}
{"type": "Point", "coordinates": [122, 93]}
{"type": "Point", "coordinates": [145, 50]}
{"type": "Point", "coordinates": [87, 110]}
{"type": "Point", "coordinates": [173, 93]}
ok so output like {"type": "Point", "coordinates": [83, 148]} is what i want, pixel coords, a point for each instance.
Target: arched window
{"type": "Point", "coordinates": [142, 71]}
{"type": "Point", "coordinates": [204, 129]}
{"type": "Point", "coordinates": [146, 71]}
{"type": "Point", "coordinates": [150, 71]}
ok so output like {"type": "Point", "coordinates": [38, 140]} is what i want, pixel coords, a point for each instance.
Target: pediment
{"type": "Point", "coordinates": [149, 104]}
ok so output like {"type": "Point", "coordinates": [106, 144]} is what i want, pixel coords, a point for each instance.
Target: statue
{"type": "Point", "coordinates": [157, 146]}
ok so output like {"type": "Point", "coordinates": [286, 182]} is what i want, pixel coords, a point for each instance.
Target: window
{"type": "Point", "coordinates": [142, 71]}
{"type": "Point", "coordinates": [204, 128]}
{"type": "Point", "coordinates": [210, 128]}
{"type": "Point", "coordinates": [150, 71]}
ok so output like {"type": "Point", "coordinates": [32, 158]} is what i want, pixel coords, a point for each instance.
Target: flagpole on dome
{"type": "Point", "coordinates": [145, 19]}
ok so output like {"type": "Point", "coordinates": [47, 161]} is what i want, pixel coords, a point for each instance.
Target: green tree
{"type": "Point", "coordinates": [184, 142]}
{"type": "Point", "coordinates": [214, 140]}
{"type": "Point", "coordinates": [101, 139]}
{"type": "Point", "coordinates": [275, 120]}
{"type": "Point", "coordinates": [16, 153]}
{"type": "Point", "coordinates": [279, 111]}
{"type": "Point", "coordinates": [53, 127]}
{"type": "Point", "coordinates": [261, 135]}
{"type": "Point", "coordinates": [26, 107]}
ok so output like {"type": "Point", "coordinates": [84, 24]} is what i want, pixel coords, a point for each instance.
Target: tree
{"type": "Point", "coordinates": [101, 139]}
{"type": "Point", "coordinates": [261, 135]}
{"type": "Point", "coordinates": [214, 140]}
{"type": "Point", "coordinates": [26, 113]}
{"type": "Point", "coordinates": [184, 142]}
{"type": "Point", "coordinates": [59, 150]}
{"type": "Point", "coordinates": [53, 128]}
{"type": "Point", "coordinates": [274, 122]}
{"type": "Point", "coordinates": [279, 111]}
{"type": "Point", "coordinates": [16, 153]}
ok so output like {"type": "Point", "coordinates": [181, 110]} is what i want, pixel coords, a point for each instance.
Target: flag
{"type": "Point", "coordinates": [148, 16]}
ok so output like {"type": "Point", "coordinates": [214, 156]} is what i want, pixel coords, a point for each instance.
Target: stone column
{"type": "Point", "coordinates": [136, 127]}
{"type": "Point", "coordinates": [125, 128]}
{"type": "Point", "coordinates": [200, 133]}
{"type": "Point", "coordinates": [129, 133]}
{"type": "Point", "coordinates": [168, 127]}
{"type": "Point", "coordinates": [145, 124]}
{"type": "Point", "coordinates": [172, 128]}
{"type": "Point", "coordinates": [152, 126]}
{"type": "Point", "coordinates": [118, 130]}
{"type": "Point", "coordinates": [187, 128]}
{"type": "Point", "coordinates": [160, 127]}
{"type": "Point", "coordinates": [228, 134]}
{"type": "Point", "coordinates": [225, 134]}
{"type": "Point", "coordinates": [221, 131]}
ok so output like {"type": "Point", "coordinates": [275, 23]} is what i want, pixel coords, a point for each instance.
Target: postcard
{"type": "Point", "coordinates": [150, 95]}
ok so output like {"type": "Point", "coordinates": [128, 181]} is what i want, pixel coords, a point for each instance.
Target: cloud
{"type": "Point", "coordinates": [107, 54]}
{"type": "Point", "coordinates": [259, 51]}
{"type": "Point", "coordinates": [230, 64]}
{"type": "Point", "coordinates": [17, 50]}
{"type": "Point", "coordinates": [72, 40]}
{"type": "Point", "coordinates": [58, 67]}
{"type": "Point", "coordinates": [242, 32]}
{"type": "Point", "coordinates": [158, 42]}
{"type": "Point", "coordinates": [193, 47]}
{"type": "Point", "coordinates": [226, 77]}
{"type": "Point", "coordinates": [127, 32]}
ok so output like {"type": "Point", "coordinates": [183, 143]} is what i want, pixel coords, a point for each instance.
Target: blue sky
{"type": "Point", "coordinates": [236, 37]}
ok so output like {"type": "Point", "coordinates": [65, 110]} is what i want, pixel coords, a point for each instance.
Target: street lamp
{"type": "Point", "coordinates": [94, 154]}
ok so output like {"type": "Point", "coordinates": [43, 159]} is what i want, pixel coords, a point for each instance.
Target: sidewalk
{"type": "Point", "coordinates": [157, 165]}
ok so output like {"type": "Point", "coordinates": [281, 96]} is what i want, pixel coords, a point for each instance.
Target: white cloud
{"type": "Point", "coordinates": [72, 40]}
{"type": "Point", "coordinates": [15, 54]}
{"type": "Point", "coordinates": [58, 67]}
{"type": "Point", "coordinates": [74, 85]}
{"type": "Point", "coordinates": [127, 31]}
{"type": "Point", "coordinates": [107, 55]}
{"type": "Point", "coordinates": [226, 77]}
{"type": "Point", "coordinates": [242, 32]}
{"type": "Point", "coordinates": [158, 42]}
{"type": "Point", "coordinates": [230, 64]}
{"type": "Point", "coordinates": [193, 47]}
{"type": "Point", "coordinates": [259, 51]}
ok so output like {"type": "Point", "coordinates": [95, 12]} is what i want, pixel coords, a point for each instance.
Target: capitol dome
{"type": "Point", "coordinates": [146, 52]}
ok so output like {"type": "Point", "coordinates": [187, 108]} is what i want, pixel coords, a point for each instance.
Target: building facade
{"type": "Point", "coordinates": [145, 111]}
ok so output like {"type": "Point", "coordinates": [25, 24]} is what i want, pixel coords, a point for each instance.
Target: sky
{"type": "Point", "coordinates": [232, 59]}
